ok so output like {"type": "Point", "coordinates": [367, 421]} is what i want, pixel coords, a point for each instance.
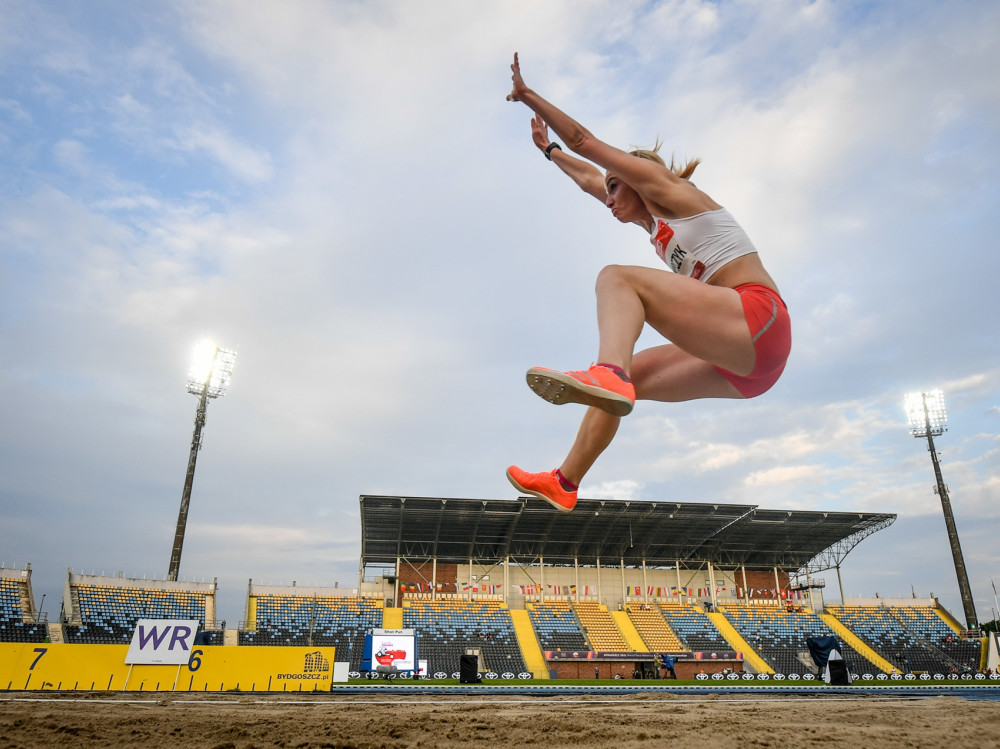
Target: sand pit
{"type": "Point", "coordinates": [238, 721]}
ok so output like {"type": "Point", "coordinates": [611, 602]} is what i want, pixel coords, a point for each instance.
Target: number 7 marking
{"type": "Point", "coordinates": [41, 652]}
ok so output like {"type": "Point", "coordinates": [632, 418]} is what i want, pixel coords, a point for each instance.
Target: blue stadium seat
{"type": "Point", "coordinates": [338, 621]}
{"type": "Point", "coordinates": [13, 625]}
{"type": "Point", "coordinates": [557, 627]}
{"type": "Point", "coordinates": [912, 638]}
{"type": "Point", "coordinates": [108, 615]}
{"type": "Point", "coordinates": [693, 627]}
{"type": "Point", "coordinates": [445, 629]}
{"type": "Point", "coordinates": [779, 637]}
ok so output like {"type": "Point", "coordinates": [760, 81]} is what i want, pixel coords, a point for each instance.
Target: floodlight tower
{"type": "Point", "coordinates": [928, 419]}
{"type": "Point", "coordinates": [211, 370]}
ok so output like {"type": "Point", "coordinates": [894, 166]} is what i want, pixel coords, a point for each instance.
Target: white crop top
{"type": "Point", "coordinates": [697, 246]}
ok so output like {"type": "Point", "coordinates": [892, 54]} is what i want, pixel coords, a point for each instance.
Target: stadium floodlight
{"type": "Point", "coordinates": [926, 413]}
{"type": "Point", "coordinates": [211, 371]}
{"type": "Point", "coordinates": [927, 417]}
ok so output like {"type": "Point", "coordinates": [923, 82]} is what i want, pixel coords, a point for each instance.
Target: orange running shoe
{"type": "Point", "coordinates": [544, 486]}
{"type": "Point", "coordinates": [598, 386]}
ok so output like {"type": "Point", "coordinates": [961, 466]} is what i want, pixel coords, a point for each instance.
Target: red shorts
{"type": "Point", "coordinates": [771, 329]}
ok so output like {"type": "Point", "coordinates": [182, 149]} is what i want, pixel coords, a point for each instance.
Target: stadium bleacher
{"type": "Point", "coordinates": [779, 637]}
{"type": "Point", "coordinates": [651, 600]}
{"type": "Point", "coordinates": [107, 614]}
{"type": "Point", "coordinates": [602, 632]}
{"type": "Point", "coordinates": [446, 629]}
{"type": "Point", "coordinates": [694, 629]}
{"type": "Point", "coordinates": [653, 629]}
{"type": "Point", "coordinates": [912, 638]}
{"type": "Point", "coordinates": [290, 619]}
{"type": "Point", "coordinates": [557, 627]}
{"type": "Point", "coordinates": [17, 623]}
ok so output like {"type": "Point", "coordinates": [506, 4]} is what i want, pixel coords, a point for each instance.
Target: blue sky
{"type": "Point", "coordinates": [340, 191]}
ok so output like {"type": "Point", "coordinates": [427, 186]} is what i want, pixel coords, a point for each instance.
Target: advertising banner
{"type": "Point", "coordinates": [587, 655]}
{"type": "Point", "coordinates": [393, 648]}
{"type": "Point", "coordinates": [214, 668]}
{"type": "Point", "coordinates": [162, 641]}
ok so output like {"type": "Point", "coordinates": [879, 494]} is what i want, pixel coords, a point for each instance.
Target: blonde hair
{"type": "Point", "coordinates": [683, 171]}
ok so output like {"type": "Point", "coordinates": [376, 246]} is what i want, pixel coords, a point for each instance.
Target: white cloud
{"type": "Point", "coordinates": [803, 475]}
{"type": "Point", "coordinates": [624, 489]}
{"type": "Point", "coordinates": [246, 163]}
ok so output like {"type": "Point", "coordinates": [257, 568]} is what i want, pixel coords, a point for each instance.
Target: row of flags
{"type": "Point", "coordinates": [590, 590]}
{"type": "Point", "coordinates": [426, 587]}
{"type": "Point", "coordinates": [449, 587]}
{"type": "Point", "coordinates": [785, 595]}
{"type": "Point", "coordinates": [559, 590]}
{"type": "Point", "coordinates": [651, 590]}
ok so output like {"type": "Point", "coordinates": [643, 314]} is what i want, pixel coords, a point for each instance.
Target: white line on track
{"type": "Point", "coordinates": [478, 701]}
{"type": "Point", "coordinates": [577, 700]}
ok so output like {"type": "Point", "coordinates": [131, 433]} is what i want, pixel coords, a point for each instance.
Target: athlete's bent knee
{"type": "Point", "coordinates": [611, 274]}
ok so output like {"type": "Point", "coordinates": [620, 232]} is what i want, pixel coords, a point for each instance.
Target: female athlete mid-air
{"type": "Point", "coordinates": [728, 329]}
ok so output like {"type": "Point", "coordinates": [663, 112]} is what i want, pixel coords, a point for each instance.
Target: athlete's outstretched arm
{"type": "Point", "coordinates": [650, 179]}
{"type": "Point", "coordinates": [588, 177]}
{"type": "Point", "coordinates": [573, 134]}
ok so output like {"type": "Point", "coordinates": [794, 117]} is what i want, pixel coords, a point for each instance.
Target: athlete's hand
{"type": "Point", "coordinates": [518, 88]}
{"type": "Point", "coordinates": [540, 132]}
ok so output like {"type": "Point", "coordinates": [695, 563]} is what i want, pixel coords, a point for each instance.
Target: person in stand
{"type": "Point", "coordinates": [728, 328]}
{"type": "Point", "coordinates": [668, 664]}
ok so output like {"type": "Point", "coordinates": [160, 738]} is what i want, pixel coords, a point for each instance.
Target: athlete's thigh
{"type": "Point", "coordinates": [706, 321]}
{"type": "Point", "coordinates": [668, 373]}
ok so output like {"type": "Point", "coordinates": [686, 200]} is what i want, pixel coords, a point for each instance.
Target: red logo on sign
{"type": "Point", "coordinates": [386, 657]}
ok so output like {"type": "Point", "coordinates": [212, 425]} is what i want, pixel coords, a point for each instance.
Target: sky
{"type": "Point", "coordinates": [340, 192]}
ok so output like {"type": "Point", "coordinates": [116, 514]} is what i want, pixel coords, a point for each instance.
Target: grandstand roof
{"type": "Point", "coordinates": [660, 534]}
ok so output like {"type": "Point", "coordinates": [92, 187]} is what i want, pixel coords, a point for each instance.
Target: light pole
{"type": "Point", "coordinates": [211, 370]}
{"type": "Point", "coordinates": [927, 417]}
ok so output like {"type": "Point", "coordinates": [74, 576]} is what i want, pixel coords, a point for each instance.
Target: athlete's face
{"type": "Point", "coordinates": [624, 202]}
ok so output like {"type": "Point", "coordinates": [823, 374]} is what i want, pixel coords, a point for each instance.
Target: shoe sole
{"type": "Point", "coordinates": [560, 388]}
{"type": "Point", "coordinates": [537, 494]}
